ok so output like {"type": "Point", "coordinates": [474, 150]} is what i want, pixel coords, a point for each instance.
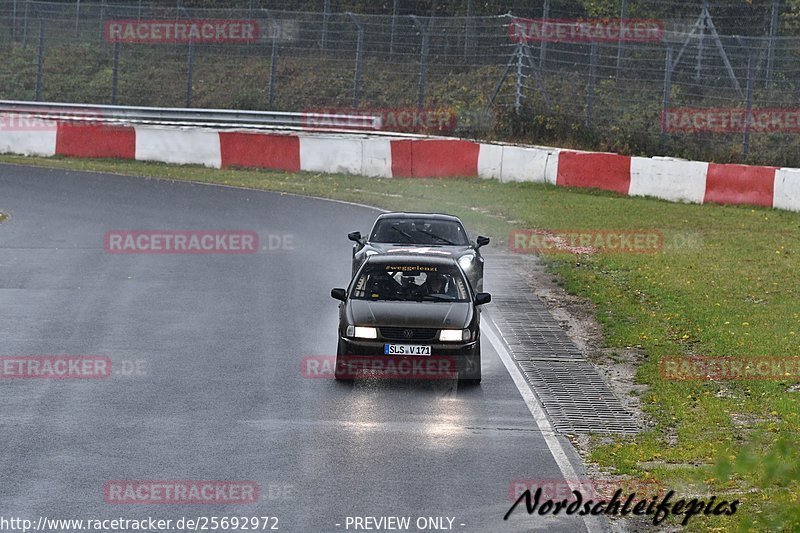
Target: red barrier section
{"type": "Point", "coordinates": [95, 140]}
{"type": "Point", "coordinates": [740, 184]}
{"type": "Point", "coordinates": [611, 172]}
{"type": "Point", "coordinates": [258, 150]}
{"type": "Point", "coordinates": [434, 158]}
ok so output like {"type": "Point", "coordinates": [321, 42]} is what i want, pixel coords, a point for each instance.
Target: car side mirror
{"type": "Point", "coordinates": [482, 241]}
{"type": "Point", "coordinates": [483, 298]}
{"type": "Point", "coordinates": [339, 294]}
{"type": "Point", "coordinates": [355, 236]}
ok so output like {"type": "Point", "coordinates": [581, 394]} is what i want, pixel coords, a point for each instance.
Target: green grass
{"type": "Point", "coordinates": [733, 290]}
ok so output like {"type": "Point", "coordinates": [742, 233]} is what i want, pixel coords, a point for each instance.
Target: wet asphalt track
{"type": "Point", "coordinates": [206, 352]}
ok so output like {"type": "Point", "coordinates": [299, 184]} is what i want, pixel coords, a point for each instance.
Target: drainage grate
{"type": "Point", "coordinates": [573, 393]}
{"type": "Point", "coordinates": [576, 397]}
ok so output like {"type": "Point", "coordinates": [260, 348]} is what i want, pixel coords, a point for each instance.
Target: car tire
{"type": "Point", "coordinates": [341, 352]}
{"type": "Point", "coordinates": [474, 377]}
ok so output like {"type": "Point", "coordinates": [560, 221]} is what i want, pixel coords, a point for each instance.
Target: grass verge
{"type": "Point", "coordinates": [725, 284]}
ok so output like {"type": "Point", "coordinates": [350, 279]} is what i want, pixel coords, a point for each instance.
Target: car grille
{"type": "Point", "coordinates": [409, 334]}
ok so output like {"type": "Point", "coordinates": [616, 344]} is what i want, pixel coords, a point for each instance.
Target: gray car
{"type": "Point", "coordinates": [412, 309]}
{"type": "Point", "coordinates": [422, 233]}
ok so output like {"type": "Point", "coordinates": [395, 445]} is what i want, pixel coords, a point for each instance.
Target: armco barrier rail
{"type": "Point", "coordinates": [176, 116]}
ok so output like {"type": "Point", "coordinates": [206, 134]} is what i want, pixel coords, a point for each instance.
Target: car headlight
{"type": "Point", "coordinates": [466, 261]}
{"type": "Point", "coordinates": [361, 332]}
{"type": "Point", "coordinates": [454, 335]}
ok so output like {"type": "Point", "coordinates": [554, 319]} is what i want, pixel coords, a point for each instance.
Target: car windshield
{"type": "Point", "coordinates": [410, 282]}
{"type": "Point", "coordinates": [419, 231]}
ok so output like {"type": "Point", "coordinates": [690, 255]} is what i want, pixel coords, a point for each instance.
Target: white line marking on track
{"type": "Point", "coordinates": [548, 433]}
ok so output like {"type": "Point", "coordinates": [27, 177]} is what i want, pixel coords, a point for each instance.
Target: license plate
{"type": "Point", "coordinates": [406, 349]}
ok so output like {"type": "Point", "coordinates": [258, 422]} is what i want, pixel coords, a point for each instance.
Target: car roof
{"type": "Point", "coordinates": [432, 216]}
{"type": "Point", "coordinates": [417, 259]}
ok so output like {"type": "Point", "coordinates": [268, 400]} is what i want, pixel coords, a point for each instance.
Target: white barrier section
{"type": "Point", "coordinates": [786, 194]}
{"type": "Point", "coordinates": [490, 161]}
{"type": "Point", "coordinates": [376, 158]}
{"type": "Point", "coordinates": [524, 164]}
{"type": "Point", "coordinates": [670, 179]}
{"type": "Point", "coordinates": [330, 154]}
{"type": "Point", "coordinates": [23, 135]}
{"type": "Point", "coordinates": [551, 166]}
{"type": "Point", "coordinates": [180, 146]}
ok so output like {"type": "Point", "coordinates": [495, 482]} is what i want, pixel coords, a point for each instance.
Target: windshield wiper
{"type": "Point", "coordinates": [404, 234]}
{"type": "Point", "coordinates": [430, 234]}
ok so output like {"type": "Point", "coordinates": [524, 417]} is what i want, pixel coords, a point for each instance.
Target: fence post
{"type": "Point", "coordinates": [519, 86]}
{"type": "Point", "coordinates": [395, 8]}
{"type": "Point", "coordinates": [25, 25]}
{"type": "Point", "coordinates": [468, 29]}
{"type": "Point", "coordinates": [423, 62]}
{"type": "Point", "coordinates": [77, 17]}
{"type": "Point", "coordinates": [40, 61]}
{"type": "Point", "coordinates": [139, 11]}
{"type": "Point", "coordinates": [359, 53]}
{"type": "Point", "coordinates": [748, 107]}
{"type": "Point", "coordinates": [590, 88]}
{"type": "Point", "coordinates": [102, 19]}
{"type": "Point", "coordinates": [543, 44]}
{"type": "Point", "coordinates": [189, 73]}
{"type": "Point", "coordinates": [325, 17]}
{"type": "Point", "coordinates": [701, 44]}
{"type": "Point", "coordinates": [665, 100]}
{"type": "Point", "coordinates": [14, 20]}
{"type": "Point", "coordinates": [273, 63]}
{"type": "Point", "coordinates": [773, 30]}
{"type": "Point", "coordinates": [115, 73]}
{"type": "Point", "coordinates": [623, 16]}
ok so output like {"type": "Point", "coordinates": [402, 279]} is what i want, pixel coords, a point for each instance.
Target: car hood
{"type": "Point", "coordinates": [454, 315]}
{"type": "Point", "coordinates": [444, 251]}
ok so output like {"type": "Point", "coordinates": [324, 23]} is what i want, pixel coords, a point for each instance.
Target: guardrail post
{"type": "Point", "coordinates": [189, 73]}
{"type": "Point", "coordinates": [40, 61]}
{"type": "Point", "coordinates": [590, 89]}
{"type": "Point", "coordinates": [359, 53]}
{"type": "Point", "coordinates": [115, 73]}
{"type": "Point", "coordinates": [423, 62]}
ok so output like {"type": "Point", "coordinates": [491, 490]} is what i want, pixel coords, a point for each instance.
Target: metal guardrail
{"type": "Point", "coordinates": [210, 118]}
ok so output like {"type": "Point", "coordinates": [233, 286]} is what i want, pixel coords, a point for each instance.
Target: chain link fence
{"type": "Point", "coordinates": [683, 94]}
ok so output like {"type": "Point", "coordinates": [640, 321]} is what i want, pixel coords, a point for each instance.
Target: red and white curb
{"type": "Point", "coordinates": [660, 177]}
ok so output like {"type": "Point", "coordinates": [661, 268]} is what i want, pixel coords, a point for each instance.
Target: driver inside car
{"type": "Point", "coordinates": [438, 284]}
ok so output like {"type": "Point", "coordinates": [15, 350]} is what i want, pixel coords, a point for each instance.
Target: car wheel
{"type": "Point", "coordinates": [472, 370]}
{"type": "Point", "coordinates": [339, 372]}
